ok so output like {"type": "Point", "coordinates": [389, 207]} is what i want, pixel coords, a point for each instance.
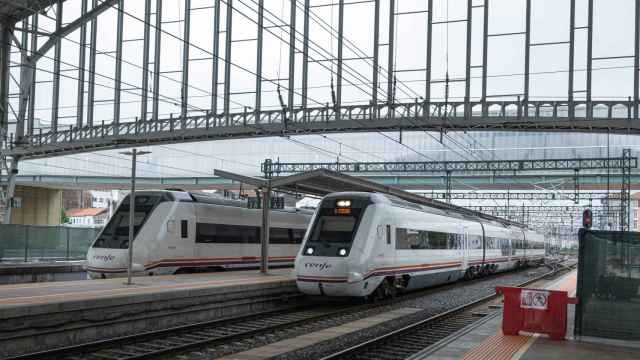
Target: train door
{"type": "Point", "coordinates": [464, 247]}
{"type": "Point", "coordinates": [385, 247]}
{"type": "Point", "coordinates": [182, 232]}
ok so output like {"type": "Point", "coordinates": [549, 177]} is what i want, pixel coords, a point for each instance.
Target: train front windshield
{"type": "Point", "coordinates": [335, 227]}
{"type": "Point", "coordinates": [116, 234]}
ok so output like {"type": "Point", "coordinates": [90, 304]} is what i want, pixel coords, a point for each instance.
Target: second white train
{"type": "Point", "coordinates": [361, 244]}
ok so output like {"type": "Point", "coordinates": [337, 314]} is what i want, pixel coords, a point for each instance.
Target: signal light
{"type": "Point", "coordinates": [587, 219]}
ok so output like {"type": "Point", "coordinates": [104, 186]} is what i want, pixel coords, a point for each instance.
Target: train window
{"type": "Point", "coordinates": [241, 234]}
{"type": "Point", "coordinates": [116, 233]}
{"type": "Point", "coordinates": [297, 235]}
{"type": "Point", "coordinates": [338, 229]}
{"type": "Point", "coordinates": [438, 240]}
{"type": "Point", "coordinates": [184, 229]}
{"type": "Point", "coordinates": [224, 233]}
{"type": "Point", "coordinates": [388, 234]}
{"type": "Point", "coordinates": [279, 236]}
{"type": "Point", "coordinates": [407, 239]}
{"type": "Point", "coordinates": [454, 241]}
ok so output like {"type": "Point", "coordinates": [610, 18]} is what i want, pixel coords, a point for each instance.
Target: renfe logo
{"type": "Point", "coordinates": [105, 258]}
{"type": "Point", "coordinates": [318, 266]}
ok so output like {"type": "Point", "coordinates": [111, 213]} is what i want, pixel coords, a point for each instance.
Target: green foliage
{"type": "Point", "coordinates": [63, 217]}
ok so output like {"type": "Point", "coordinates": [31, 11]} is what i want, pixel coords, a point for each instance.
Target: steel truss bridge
{"type": "Point", "coordinates": [23, 42]}
{"type": "Point", "coordinates": [510, 195]}
{"type": "Point", "coordinates": [623, 164]}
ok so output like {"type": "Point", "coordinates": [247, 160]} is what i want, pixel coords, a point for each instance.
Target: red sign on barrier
{"type": "Point", "coordinates": [534, 310]}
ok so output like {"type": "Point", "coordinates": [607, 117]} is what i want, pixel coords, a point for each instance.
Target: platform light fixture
{"type": "Point", "coordinates": [132, 207]}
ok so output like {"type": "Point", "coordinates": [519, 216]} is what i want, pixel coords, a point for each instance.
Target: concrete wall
{"type": "Point", "coordinates": [40, 206]}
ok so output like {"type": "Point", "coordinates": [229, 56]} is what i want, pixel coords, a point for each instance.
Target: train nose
{"type": "Point", "coordinates": [322, 276]}
{"type": "Point", "coordinates": [103, 263]}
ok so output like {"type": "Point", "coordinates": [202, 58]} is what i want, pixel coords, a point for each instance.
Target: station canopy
{"type": "Point", "coordinates": [321, 182]}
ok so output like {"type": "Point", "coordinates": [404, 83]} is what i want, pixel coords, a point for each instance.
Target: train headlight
{"type": "Point", "coordinates": [343, 203]}
{"type": "Point", "coordinates": [342, 252]}
{"type": "Point", "coordinates": [309, 251]}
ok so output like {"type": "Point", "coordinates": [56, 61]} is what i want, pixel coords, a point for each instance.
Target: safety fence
{"type": "Point", "coordinates": [609, 285]}
{"type": "Point", "coordinates": [30, 242]}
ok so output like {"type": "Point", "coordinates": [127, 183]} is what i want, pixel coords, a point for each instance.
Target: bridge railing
{"type": "Point", "coordinates": [410, 114]}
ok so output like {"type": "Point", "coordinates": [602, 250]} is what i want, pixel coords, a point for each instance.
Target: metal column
{"type": "Point", "coordinates": [258, 105]}
{"type": "Point", "coordinates": [485, 51]}
{"type": "Point", "coordinates": [636, 62]}
{"type": "Point", "coordinates": [92, 67]}
{"type": "Point", "coordinates": [292, 59]}
{"type": "Point", "coordinates": [81, 67]}
{"type": "Point", "coordinates": [55, 92]}
{"type": "Point", "coordinates": [156, 62]}
{"type": "Point", "coordinates": [118, 74]}
{"type": "Point", "coordinates": [216, 57]}
{"type": "Point", "coordinates": [390, 75]}
{"type": "Point", "coordinates": [527, 51]}
{"type": "Point", "coordinates": [32, 91]}
{"type": "Point", "coordinates": [185, 64]}
{"type": "Point", "coordinates": [5, 55]}
{"type": "Point", "coordinates": [376, 51]}
{"type": "Point", "coordinates": [264, 233]}
{"type": "Point", "coordinates": [589, 58]}
{"type": "Point", "coordinates": [572, 42]}
{"type": "Point", "coordinates": [227, 62]}
{"type": "Point", "coordinates": [427, 89]}
{"type": "Point", "coordinates": [305, 59]}
{"type": "Point", "coordinates": [625, 190]}
{"type": "Point", "coordinates": [132, 214]}
{"type": "Point", "coordinates": [338, 103]}
{"type": "Point", "coordinates": [25, 67]}
{"type": "Point", "coordinates": [145, 61]}
{"type": "Point", "coordinates": [467, 77]}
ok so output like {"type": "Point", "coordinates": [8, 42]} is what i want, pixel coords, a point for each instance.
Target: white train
{"type": "Point", "coordinates": [177, 231]}
{"type": "Point", "coordinates": [359, 243]}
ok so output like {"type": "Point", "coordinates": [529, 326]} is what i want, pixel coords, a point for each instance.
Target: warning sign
{"type": "Point", "coordinates": [534, 299]}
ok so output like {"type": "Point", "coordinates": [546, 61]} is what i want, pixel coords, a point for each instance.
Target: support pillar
{"type": "Point", "coordinates": [390, 74]}
{"type": "Point", "coordinates": [184, 94]}
{"type": "Point", "coordinates": [55, 92]}
{"type": "Point", "coordinates": [260, 37]}
{"type": "Point", "coordinates": [292, 60]}
{"type": "Point", "coordinates": [145, 61]}
{"type": "Point", "coordinates": [118, 74]}
{"type": "Point", "coordinates": [264, 233]}
{"type": "Point", "coordinates": [227, 63]}
{"type": "Point", "coordinates": [156, 61]}
{"type": "Point", "coordinates": [340, 58]}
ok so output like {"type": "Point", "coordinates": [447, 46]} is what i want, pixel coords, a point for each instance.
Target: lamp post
{"type": "Point", "coordinates": [132, 207]}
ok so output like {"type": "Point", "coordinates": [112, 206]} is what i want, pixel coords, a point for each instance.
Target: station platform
{"type": "Point", "coordinates": [40, 316]}
{"type": "Point", "coordinates": [486, 341]}
{"type": "Point", "coordinates": [27, 272]}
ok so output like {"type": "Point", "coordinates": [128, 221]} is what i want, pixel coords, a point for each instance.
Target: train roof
{"type": "Point", "coordinates": [213, 199]}
{"type": "Point", "coordinates": [444, 210]}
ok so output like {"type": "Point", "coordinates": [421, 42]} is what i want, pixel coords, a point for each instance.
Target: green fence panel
{"type": "Point", "coordinates": [12, 242]}
{"type": "Point", "coordinates": [609, 285]}
{"type": "Point", "coordinates": [45, 243]}
{"type": "Point", "coordinates": [79, 241]}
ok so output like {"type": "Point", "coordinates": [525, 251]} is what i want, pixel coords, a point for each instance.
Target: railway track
{"type": "Point", "coordinates": [406, 341]}
{"type": "Point", "coordinates": [243, 331]}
